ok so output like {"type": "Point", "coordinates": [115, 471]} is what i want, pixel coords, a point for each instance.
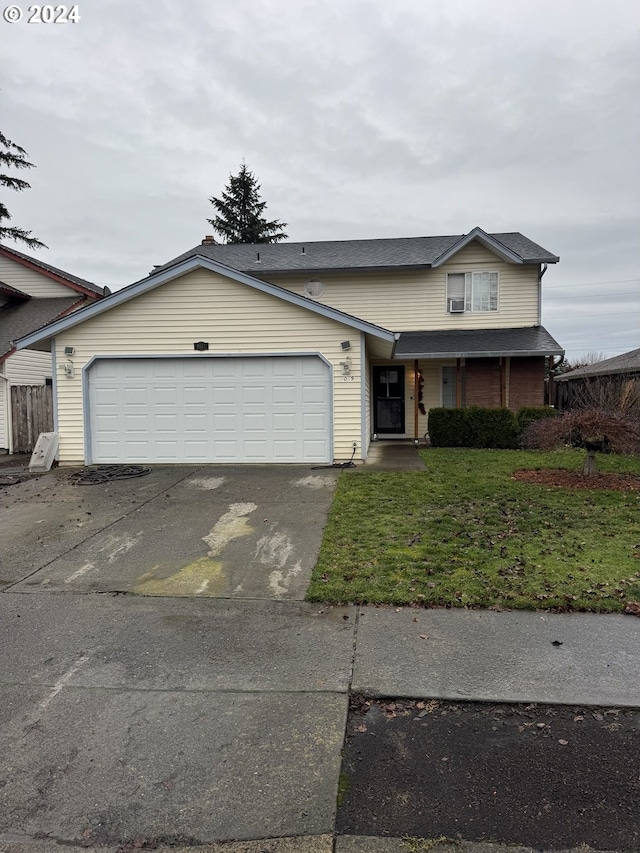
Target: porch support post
{"type": "Point", "coordinates": [507, 381]}
{"type": "Point", "coordinates": [503, 388]}
{"type": "Point", "coordinates": [416, 392]}
{"type": "Point", "coordinates": [458, 383]}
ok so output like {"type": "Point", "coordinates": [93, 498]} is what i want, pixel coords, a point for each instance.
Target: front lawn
{"type": "Point", "coordinates": [465, 533]}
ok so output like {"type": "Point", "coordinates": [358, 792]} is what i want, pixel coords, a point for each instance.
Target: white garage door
{"type": "Point", "coordinates": [261, 409]}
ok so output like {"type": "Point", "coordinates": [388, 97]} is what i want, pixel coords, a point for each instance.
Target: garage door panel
{"type": "Point", "coordinates": [255, 451]}
{"type": "Point", "coordinates": [231, 409]}
{"type": "Point", "coordinates": [133, 423]}
{"type": "Point", "coordinates": [254, 395]}
{"type": "Point", "coordinates": [135, 395]}
{"type": "Point", "coordinates": [165, 423]}
{"type": "Point", "coordinates": [285, 422]}
{"type": "Point", "coordinates": [224, 395]}
{"type": "Point", "coordinates": [194, 422]}
{"type": "Point", "coordinates": [254, 422]}
{"type": "Point", "coordinates": [315, 422]}
{"type": "Point", "coordinates": [282, 394]}
{"type": "Point", "coordinates": [285, 451]}
{"type": "Point", "coordinates": [167, 395]}
{"type": "Point", "coordinates": [314, 395]}
{"type": "Point", "coordinates": [314, 449]}
{"type": "Point", "coordinates": [194, 395]}
{"type": "Point", "coordinates": [106, 396]}
{"type": "Point", "coordinates": [226, 451]}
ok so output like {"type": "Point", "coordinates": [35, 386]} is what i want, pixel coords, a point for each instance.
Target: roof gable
{"type": "Point", "coordinates": [162, 277]}
{"type": "Point", "coordinates": [486, 240]}
{"type": "Point", "coordinates": [79, 285]}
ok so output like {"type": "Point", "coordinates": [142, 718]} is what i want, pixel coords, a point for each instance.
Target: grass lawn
{"type": "Point", "coordinates": [465, 533]}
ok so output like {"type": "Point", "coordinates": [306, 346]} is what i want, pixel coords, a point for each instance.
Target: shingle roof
{"type": "Point", "coordinates": [410, 252]}
{"type": "Point", "coordinates": [20, 320]}
{"type": "Point", "coordinates": [477, 343]}
{"type": "Point", "coordinates": [81, 282]}
{"type": "Point", "coordinates": [13, 291]}
{"type": "Point", "coordinates": [627, 362]}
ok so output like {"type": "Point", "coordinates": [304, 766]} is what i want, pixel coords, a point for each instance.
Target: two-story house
{"type": "Point", "coordinates": [32, 294]}
{"type": "Point", "coordinates": [299, 352]}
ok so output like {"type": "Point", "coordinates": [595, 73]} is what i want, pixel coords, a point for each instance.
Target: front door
{"type": "Point", "coordinates": [388, 400]}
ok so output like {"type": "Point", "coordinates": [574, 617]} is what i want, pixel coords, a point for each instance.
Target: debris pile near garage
{"type": "Point", "coordinates": [106, 473]}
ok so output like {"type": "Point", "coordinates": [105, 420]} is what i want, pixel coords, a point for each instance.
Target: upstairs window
{"type": "Point", "coordinates": [472, 291]}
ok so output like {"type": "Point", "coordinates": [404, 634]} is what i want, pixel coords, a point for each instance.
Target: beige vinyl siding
{"type": "Point", "coordinates": [233, 318]}
{"type": "Point", "coordinates": [27, 367]}
{"type": "Point", "coordinates": [411, 300]}
{"type": "Point", "coordinates": [31, 282]}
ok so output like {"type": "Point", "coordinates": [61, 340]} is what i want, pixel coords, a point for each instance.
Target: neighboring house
{"type": "Point", "coordinates": [297, 352]}
{"type": "Point", "coordinates": [32, 294]}
{"type": "Point", "coordinates": [612, 383]}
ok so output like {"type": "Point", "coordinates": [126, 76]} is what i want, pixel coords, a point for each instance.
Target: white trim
{"type": "Point", "coordinates": [364, 438]}
{"type": "Point", "coordinates": [197, 262]}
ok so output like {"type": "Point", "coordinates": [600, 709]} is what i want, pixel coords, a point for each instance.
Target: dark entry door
{"type": "Point", "coordinates": [388, 399]}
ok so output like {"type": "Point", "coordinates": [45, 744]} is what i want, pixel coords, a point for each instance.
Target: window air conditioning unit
{"type": "Point", "coordinates": [456, 306]}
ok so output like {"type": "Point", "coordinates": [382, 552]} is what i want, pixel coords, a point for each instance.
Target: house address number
{"type": "Point", "coordinates": [349, 378]}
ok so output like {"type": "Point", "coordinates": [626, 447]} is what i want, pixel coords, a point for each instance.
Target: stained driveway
{"type": "Point", "coordinates": [222, 531]}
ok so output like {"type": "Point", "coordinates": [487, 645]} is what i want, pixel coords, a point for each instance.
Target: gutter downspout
{"type": "Point", "coordinates": [541, 271]}
{"type": "Point", "coordinates": [416, 392]}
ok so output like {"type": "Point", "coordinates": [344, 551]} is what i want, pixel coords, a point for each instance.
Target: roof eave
{"type": "Point", "coordinates": [479, 354]}
{"type": "Point", "coordinates": [189, 265]}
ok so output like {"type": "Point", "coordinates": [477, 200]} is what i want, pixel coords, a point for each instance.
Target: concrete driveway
{"type": "Point", "coordinates": [164, 687]}
{"type": "Point", "coordinates": [232, 532]}
{"type": "Point", "coordinates": [175, 712]}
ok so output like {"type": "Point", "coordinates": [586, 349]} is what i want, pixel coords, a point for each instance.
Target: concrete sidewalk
{"type": "Point", "coordinates": [490, 656]}
{"type": "Point", "coordinates": [392, 455]}
{"type": "Point", "coordinates": [170, 718]}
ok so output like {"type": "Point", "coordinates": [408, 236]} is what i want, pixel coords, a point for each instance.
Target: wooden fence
{"type": "Point", "coordinates": [31, 414]}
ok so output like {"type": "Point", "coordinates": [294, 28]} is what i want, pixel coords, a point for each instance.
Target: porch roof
{"type": "Point", "coordinates": [476, 343]}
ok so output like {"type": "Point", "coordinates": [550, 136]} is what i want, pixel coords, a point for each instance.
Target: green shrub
{"type": "Point", "coordinates": [529, 414]}
{"type": "Point", "coordinates": [492, 428]}
{"type": "Point", "coordinates": [474, 427]}
{"type": "Point", "coordinates": [448, 427]}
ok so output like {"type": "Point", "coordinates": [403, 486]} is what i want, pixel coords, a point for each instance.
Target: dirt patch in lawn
{"type": "Point", "coordinates": [576, 480]}
{"type": "Point", "coordinates": [549, 777]}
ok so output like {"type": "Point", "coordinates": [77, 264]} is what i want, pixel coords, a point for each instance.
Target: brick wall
{"type": "Point", "coordinates": [482, 382]}
{"type": "Point", "coordinates": [526, 386]}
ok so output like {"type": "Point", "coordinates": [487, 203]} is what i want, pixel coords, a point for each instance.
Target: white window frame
{"type": "Point", "coordinates": [473, 301]}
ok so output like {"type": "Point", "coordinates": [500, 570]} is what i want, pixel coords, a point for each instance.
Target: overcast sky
{"type": "Point", "coordinates": [360, 119]}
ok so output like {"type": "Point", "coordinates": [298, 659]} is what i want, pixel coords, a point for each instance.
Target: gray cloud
{"type": "Point", "coordinates": [361, 119]}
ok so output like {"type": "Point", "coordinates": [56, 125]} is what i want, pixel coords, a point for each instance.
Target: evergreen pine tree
{"type": "Point", "coordinates": [14, 157]}
{"type": "Point", "coordinates": [240, 212]}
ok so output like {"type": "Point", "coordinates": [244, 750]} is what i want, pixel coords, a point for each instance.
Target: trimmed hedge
{"type": "Point", "coordinates": [482, 427]}
{"type": "Point", "coordinates": [448, 427]}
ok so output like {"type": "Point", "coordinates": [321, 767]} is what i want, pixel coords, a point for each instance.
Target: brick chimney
{"type": "Point", "coordinates": [209, 240]}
